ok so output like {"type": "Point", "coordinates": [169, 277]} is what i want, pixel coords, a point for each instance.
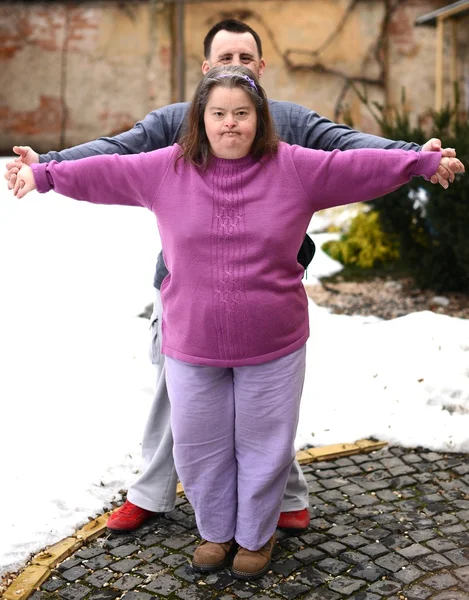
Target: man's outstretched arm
{"type": "Point", "coordinates": [159, 129]}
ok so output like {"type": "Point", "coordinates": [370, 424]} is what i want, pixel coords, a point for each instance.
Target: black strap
{"type": "Point", "coordinates": [306, 253]}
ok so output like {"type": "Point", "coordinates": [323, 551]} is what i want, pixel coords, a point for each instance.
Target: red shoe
{"type": "Point", "coordinates": [128, 517]}
{"type": "Point", "coordinates": [295, 520]}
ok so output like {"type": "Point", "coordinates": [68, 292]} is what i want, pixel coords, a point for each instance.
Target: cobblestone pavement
{"type": "Point", "coordinates": [390, 525]}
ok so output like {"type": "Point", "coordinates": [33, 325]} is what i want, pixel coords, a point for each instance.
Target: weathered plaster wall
{"type": "Point", "coordinates": [463, 61]}
{"type": "Point", "coordinates": [71, 72]}
{"type": "Point", "coordinates": [293, 31]}
{"type": "Point", "coordinates": [412, 57]}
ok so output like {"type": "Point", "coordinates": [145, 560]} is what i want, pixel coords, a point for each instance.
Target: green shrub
{"type": "Point", "coordinates": [365, 245]}
{"type": "Point", "coordinates": [432, 235]}
{"type": "Point", "coordinates": [447, 218]}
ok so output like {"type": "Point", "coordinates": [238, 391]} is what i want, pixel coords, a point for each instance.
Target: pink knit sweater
{"type": "Point", "coordinates": [231, 235]}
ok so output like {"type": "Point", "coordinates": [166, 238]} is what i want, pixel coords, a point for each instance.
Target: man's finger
{"type": "Point", "coordinates": [442, 181]}
{"type": "Point", "coordinates": [448, 152]}
{"type": "Point", "coordinates": [16, 187]}
{"type": "Point", "coordinates": [457, 166]}
{"type": "Point", "coordinates": [21, 150]}
{"type": "Point", "coordinates": [12, 181]}
{"type": "Point", "coordinates": [9, 172]}
{"type": "Point", "coordinates": [446, 172]}
{"type": "Point", "coordinates": [432, 145]}
{"type": "Point", "coordinates": [26, 155]}
{"type": "Point", "coordinates": [21, 192]}
{"type": "Point", "coordinates": [11, 164]}
{"type": "Point", "coordinates": [21, 189]}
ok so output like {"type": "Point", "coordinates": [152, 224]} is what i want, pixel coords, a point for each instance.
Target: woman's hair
{"type": "Point", "coordinates": [194, 142]}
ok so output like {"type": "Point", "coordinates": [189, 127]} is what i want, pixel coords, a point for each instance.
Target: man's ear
{"type": "Point", "coordinates": [205, 67]}
{"type": "Point", "coordinates": [261, 67]}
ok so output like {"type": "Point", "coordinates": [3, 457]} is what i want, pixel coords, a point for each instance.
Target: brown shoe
{"type": "Point", "coordinates": [210, 556]}
{"type": "Point", "coordinates": [249, 564]}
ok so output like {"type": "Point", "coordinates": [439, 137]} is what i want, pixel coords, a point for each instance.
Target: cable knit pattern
{"type": "Point", "coordinates": [229, 259]}
{"type": "Point", "coordinates": [234, 296]}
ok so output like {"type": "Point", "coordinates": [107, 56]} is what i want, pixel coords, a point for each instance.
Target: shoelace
{"type": "Point", "coordinates": [128, 508]}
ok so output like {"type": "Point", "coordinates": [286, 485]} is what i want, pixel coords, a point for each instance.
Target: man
{"type": "Point", "coordinates": [230, 42]}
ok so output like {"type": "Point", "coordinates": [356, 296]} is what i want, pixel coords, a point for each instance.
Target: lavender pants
{"type": "Point", "coordinates": [233, 431]}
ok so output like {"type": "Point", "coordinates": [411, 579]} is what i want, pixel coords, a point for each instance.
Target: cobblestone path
{"type": "Point", "coordinates": [390, 525]}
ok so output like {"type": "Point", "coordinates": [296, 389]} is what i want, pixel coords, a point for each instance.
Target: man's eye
{"type": "Point", "coordinates": [225, 59]}
{"type": "Point", "coordinates": [246, 59]}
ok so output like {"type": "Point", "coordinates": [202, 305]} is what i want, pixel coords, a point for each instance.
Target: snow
{"type": "Point", "coordinates": [76, 383]}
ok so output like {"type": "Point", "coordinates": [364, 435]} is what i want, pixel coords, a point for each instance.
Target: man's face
{"type": "Point", "coordinates": [237, 49]}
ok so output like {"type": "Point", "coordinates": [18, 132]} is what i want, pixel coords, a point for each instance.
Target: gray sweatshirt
{"type": "Point", "coordinates": [161, 128]}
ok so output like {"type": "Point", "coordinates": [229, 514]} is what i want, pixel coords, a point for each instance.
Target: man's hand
{"type": "Point", "coordinates": [24, 182]}
{"type": "Point", "coordinates": [445, 172]}
{"type": "Point", "coordinates": [26, 156]}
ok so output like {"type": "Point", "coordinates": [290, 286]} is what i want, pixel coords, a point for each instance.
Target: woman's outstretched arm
{"type": "Point", "coordinates": [337, 178]}
{"type": "Point", "coordinates": [131, 180]}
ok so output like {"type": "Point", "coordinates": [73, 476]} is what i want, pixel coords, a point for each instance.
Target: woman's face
{"type": "Point", "coordinates": [230, 122]}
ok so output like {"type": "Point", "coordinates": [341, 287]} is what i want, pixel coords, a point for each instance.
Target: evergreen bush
{"type": "Point", "coordinates": [428, 224]}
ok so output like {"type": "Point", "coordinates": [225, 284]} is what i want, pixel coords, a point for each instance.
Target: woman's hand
{"type": "Point", "coordinates": [445, 173]}
{"type": "Point", "coordinates": [447, 169]}
{"type": "Point", "coordinates": [24, 182]}
{"type": "Point", "coordinates": [26, 156]}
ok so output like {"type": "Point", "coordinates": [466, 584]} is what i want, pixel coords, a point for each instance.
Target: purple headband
{"type": "Point", "coordinates": [248, 79]}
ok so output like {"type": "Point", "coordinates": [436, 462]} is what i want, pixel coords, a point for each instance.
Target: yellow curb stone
{"type": "Point", "coordinates": [303, 457]}
{"type": "Point", "coordinates": [26, 582]}
{"type": "Point", "coordinates": [337, 450]}
{"type": "Point", "coordinates": [369, 445]}
{"type": "Point", "coordinates": [332, 451]}
{"type": "Point", "coordinates": [93, 529]}
{"type": "Point", "coordinates": [57, 552]}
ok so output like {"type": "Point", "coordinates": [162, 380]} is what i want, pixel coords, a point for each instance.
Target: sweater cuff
{"type": "Point", "coordinates": [427, 164]}
{"type": "Point", "coordinates": [40, 177]}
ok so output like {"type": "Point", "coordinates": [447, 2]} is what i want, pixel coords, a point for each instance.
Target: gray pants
{"type": "Point", "coordinates": [155, 489]}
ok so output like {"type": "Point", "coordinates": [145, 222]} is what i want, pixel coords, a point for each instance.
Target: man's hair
{"type": "Point", "coordinates": [233, 26]}
{"type": "Point", "coordinates": [195, 144]}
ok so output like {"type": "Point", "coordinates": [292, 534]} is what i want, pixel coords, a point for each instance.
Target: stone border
{"type": "Point", "coordinates": [42, 564]}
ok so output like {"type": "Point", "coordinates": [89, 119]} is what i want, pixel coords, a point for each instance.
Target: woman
{"type": "Point", "coordinates": [233, 205]}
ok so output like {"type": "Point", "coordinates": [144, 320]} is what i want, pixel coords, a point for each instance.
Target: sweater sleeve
{"type": "Point", "coordinates": [132, 180]}
{"type": "Point", "coordinates": [159, 129]}
{"type": "Point", "coordinates": [299, 125]}
{"type": "Point", "coordinates": [337, 178]}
